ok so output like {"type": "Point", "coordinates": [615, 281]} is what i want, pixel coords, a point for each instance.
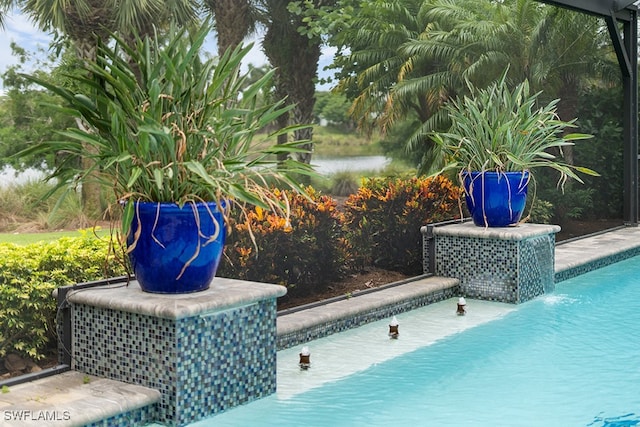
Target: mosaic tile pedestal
{"type": "Point", "coordinates": [510, 264]}
{"type": "Point", "coordinates": [205, 352]}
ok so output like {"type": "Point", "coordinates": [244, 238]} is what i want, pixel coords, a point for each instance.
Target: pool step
{"type": "Point", "coordinates": [333, 358]}
{"type": "Point", "coordinates": [75, 399]}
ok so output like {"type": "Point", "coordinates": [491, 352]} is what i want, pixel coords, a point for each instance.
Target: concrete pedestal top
{"type": "Point", "coordinates": [519, 232]}
{"type": "Point", "coordinates": [223, 294]}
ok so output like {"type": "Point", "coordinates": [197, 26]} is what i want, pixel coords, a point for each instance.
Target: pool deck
{"type": "Point", "coordinates": [74, 399]}
{"type": "Point", "coordinates": [71, 399]}
{"type": "Point", "coordinates": [596, 250]}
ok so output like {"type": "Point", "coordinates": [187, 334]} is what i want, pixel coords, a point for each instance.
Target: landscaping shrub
{"type": "Point", "coordinates": [539, 211]}
{"type": "Point", "coordinates": [305, 255]}
{"type": "Point", "coordinates": [28, 276]}
{"type": "Point", "coordinates": [601, 114]}
{"type": "Point", "coordinates": [384, 217]}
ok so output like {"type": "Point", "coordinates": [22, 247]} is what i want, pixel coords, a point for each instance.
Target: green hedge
{"type": "Point", "coordinates": [28, 276]}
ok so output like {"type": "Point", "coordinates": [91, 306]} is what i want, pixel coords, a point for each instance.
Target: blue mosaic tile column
{"type": "Point", "coordinates": [206, 352]}
{"type": "Point", "coordinates": [511, 264]}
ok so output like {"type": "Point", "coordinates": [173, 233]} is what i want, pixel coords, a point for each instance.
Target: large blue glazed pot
{"type": "Point", "coordinates": [496, 199]}
{"type": "Point", "coordinates": [178, 249]}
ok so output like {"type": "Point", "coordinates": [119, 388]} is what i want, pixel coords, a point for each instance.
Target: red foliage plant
{"type": "Point", "coordinates": [383, 220]}
{"type": "Point", "coordinates": [305, 254]}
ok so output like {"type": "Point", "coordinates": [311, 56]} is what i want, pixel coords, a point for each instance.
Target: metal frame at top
{"type": "Point", "coordinates": [617, 14]}
{"type": "Point", "coordinates": [622, 9]}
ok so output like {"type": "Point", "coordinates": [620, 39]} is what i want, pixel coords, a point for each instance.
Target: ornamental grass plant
{"type": "Point", "coordinates": [505, 130]}
{"type": "Point", "coordinates": [158, 123]}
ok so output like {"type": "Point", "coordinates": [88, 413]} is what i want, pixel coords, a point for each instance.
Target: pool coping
{"type": "Point", "coordinates": [574, 258]}
{"type": "Point", "coordinates": [73, 399]}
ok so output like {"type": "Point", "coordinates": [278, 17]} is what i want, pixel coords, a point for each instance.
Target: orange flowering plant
{"type": "Point", "coordinates": [380, 226]}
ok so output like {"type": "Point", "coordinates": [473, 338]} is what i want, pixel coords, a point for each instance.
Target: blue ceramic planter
{"type": "Point", "coordinates": [496, 199]}
{"type": "Point", "coordinates": [170, 238]}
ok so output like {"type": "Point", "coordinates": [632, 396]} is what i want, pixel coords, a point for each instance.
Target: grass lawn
{"type": "Point", "coordinates": [331, 141]}
{"type": "Point", "coordinates": [28, 238]}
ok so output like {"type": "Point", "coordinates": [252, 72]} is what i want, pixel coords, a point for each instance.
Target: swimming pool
{"type": "Point", "coordinates": [571, 358]}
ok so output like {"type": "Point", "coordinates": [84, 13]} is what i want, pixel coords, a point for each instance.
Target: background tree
{"type": "Point", "coordinates": [25, 117]}
{"type": "Point", "coordinates": [82, 23]}
{"type": "Point", "coordinates": [400, 61]}
{"type": "Point", "coordinates": [601, 111]}
{"type": "Point", "coordinates": [554, 49]}
{"type": "Point", "coordinates": [576, 53]}
{"type": "Point", "coordinates": [334, 108]}
{"type": "Point", "coordinates": [295, 54]}
{"type": "Point", "coordinates": [290, 49]}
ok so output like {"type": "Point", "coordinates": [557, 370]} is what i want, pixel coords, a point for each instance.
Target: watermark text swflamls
{"type": "Point", "coordinates": [29, 415]}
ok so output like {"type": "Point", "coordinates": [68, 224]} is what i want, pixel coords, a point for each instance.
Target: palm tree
{"type": "Point", "coordinates": [411, 56]}
{"type": "Point", "coordinates": [371, 66]}
{"type": "Point", "coordinates": [463, 40]}
{"type": "Point", "coordinates": [5, 8]}
{"type": "Point", "coordinates": [554, 49]}
{"type": "Point", "coordinates": [374, 65]}
{"type": "Point", "coordinates": [577, 51]}
{"type": "Point", "coordinates": [84, 22]}
{"type": "Point", "coordinates": [295, 57]}
{"type": "Point", "coordinates": [234, 20]}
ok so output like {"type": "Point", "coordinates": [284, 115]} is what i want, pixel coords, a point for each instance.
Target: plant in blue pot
{"type": "Point", "coordinates": [179, 140]}
{"type": "Point", "coordinates": [498, 136]}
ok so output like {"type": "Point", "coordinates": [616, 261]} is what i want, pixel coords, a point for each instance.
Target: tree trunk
{"type": "Point", "coordinates": [91, 191]}
{"type": "Point", "coordinates": [295, 56]}
{"type": "Point", "coordinates": [233, 22]}
{"type": "Point", "coordinates": [303, 90]}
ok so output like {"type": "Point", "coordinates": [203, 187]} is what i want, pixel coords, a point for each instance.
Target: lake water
{"type": "Point", "coordinates": [330, 165]}
{"type": "Point", "coordinates": [323, 165]}
{"type": "Point", "coordinates": [8, 176]}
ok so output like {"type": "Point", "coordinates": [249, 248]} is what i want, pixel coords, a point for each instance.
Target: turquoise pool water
{"type": "Point", "coordinates": [571, 358]}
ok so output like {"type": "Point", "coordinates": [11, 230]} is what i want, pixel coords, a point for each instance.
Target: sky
{"type": "Point", "coordinates": [18, 28]}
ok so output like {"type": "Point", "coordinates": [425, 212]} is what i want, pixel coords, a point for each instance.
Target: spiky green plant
{"type": "Point", "coordinates": [161, 124]}
{"type": "Point", "coordinates": [504, 130]}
